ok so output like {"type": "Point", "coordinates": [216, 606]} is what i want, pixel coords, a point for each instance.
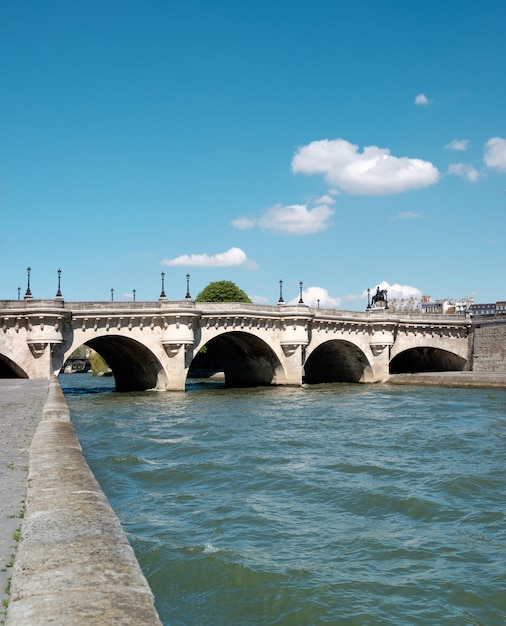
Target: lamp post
{"type": "Point", "coordinates": [280, 301]}
{"type": "Point", "coordinates": [112, 294]}
{"type": "Point", "coordinates": [162, 293]}
{"type": "Point", "coordinates": [19, 293]}
{"type": "Point", "coordinates": [28, 294]}
{"type": "Point", "coordinates": [368, 298]}
{"type": "Point", "coordinates": [301, 301]}
{"type": "Point", "coordinates": [58, 293]}
{"type": "Point", "coordinates": [188, 297]}
{"type": "Point", "coordinates": [134, 292]}
{"type": "Point", "coordinates": [318, 303]}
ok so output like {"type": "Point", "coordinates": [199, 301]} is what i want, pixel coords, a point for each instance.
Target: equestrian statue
{"type": "Point", "coordinates": [380, 297]}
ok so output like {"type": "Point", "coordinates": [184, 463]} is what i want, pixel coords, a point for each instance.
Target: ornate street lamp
{"type": "Point", "coordinates": [188, 297]}
{"type": "Point", "coordinates": [162, 293]}
{"type": "Point", "coordinates": [301, 301]}
{"type": "Point", "coordinates": [19, 293]}
{"type": "Point", "coordinates": [134, 292]}
{"type": "Point", "coordinates": [28, 294]}
{"type": "Point", "coordinates": [368, 298]}
{"type": "Point", "coordinates": [280, 301]}
{"type": "Point", "coordinates": [112, 294]}
{"type": "Point", "coordinates": [58, 293]}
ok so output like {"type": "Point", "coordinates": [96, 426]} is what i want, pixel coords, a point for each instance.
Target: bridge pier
{"type": "Point", "coordinates": [293, 362]}
{"type": "Point", "coordinates": [176, 366]}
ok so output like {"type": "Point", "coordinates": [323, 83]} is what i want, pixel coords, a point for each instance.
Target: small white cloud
{"type": "Point", "coordinates": [408, 215]}
{"type": "Point", "coordinates": [374, 171]}
{"type": "Point", "coordinates": [464, 170]}
{"type": "Point", "coordinates": [295, 219]}
{"type": "Point", "coordinates": [457, 145]}
{"type": "Point", "coordinates": [495, 154]}
{"type": "Point", "coordinates": [243, 223]}
{"type": "Point", "coordinates": [326, 199]}
{"type": "Point", "coordinates": [421, 100]}
{"type": "Point", "coordinates": [317, 296]}
{"type": "Point", "coordinates": [234, 257]}
{"type": "Point", "coordinates": [260, 299]}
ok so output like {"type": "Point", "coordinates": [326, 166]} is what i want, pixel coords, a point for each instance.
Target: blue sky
{"type": "Point", "coordinates": [341, 144]}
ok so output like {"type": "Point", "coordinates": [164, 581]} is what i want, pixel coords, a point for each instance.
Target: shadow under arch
{"type": "Point", "coordinates": [134, 367]}
{"type": "Point", "coordinates": [246, 360]}
{"type": "Point", "coordinates": [336, 361]}
{"type": "Point", "coordinates": [9, 369]}
{"type": "Point", "coordinates": [426, 360]}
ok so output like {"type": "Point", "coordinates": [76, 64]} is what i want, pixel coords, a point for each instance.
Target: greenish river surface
{"type": "Point", "coordinates": [328, 504]}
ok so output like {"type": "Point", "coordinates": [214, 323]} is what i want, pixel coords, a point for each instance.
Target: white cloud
{"type": "Point", "coordinates": [295, 219]}
{"type": "Point", "coordinates": [495, 154]}
{"type": "Point", "coordinates": [464, 170]}
{"type": "Point", "coordinates": [457, 144]}
{"type": "Point", "coordinates": [317, 296]}
{"type": "Point", "coordinates": [408, 215]}
{"type": "Point", "coordinates": [326, 199]}
{"type": "Point", "coordinates": [260, 299]}
{"type": "Point", "coordinates": [234, 257]}
{"type": "Point", "coordinates": [243, 223]}
{"type": "Point", "coordinates": [421, 100]}
{"type": "Point", "coordinates": [374, 171]}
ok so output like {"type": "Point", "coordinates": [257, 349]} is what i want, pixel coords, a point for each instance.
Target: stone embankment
{"type": "Point", "coordinates": [73, 564]}
{"type": "Point", "coordinates": [451, 379]}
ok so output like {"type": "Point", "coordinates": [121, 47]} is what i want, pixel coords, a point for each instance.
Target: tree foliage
{"type": "Point", "coordinates": [222, 291]}
{"type": "Point", "coordinates": [98, 364]}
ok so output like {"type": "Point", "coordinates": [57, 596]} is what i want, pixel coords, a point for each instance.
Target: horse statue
{"type": "Point", "coordinates": [380, 296]}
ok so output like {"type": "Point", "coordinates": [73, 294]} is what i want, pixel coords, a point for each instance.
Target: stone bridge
{"type": "Point", "coordinates": [157, 345]}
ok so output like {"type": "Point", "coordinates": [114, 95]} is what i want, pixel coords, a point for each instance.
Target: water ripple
{"type": "Point", "coordinates": [334, 504]}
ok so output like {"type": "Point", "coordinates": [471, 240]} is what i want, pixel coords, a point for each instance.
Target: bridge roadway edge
{"type": "Point", "coordinates": [73, 564]}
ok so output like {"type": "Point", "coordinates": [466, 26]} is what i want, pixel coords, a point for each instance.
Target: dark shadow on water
{"type": "Point", "coordinates": [85, 384]}
{"type": "Point", "coordinates": [204, 384]}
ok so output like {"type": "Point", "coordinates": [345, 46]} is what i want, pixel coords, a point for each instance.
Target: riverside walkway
{"type": "Point", "coordinates": [21, 403]}
{"type": "Point", "coordinates": [73, 564]}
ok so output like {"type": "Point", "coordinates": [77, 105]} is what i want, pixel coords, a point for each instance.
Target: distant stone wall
{"type": "Point", "coordinates": [488, 345]}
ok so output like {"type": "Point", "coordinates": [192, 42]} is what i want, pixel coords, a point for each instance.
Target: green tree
{"type": "Point", "coordinates": [80, 353]}
{"type": "Point", "coordinates": [222, 291]}
{"type": "Point", "coordinates": [98, 364]}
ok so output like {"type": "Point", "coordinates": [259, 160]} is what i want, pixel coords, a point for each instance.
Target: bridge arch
{"type": "Point", "coordinates": [245, 359]}
{"type": "Point", "coordinates": [336, 361]}
{"type": "Point", "coordinates": [426, 359]}
{"type": "Point", "coordinates": [134, 366]}
{"type": "Point", "coordinates": [10, 369]}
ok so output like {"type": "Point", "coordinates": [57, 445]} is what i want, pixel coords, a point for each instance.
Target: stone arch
{"type": "Point", "coordinates": [134, 366]}
{"type": "Point", "coordinates": [10, 369]}
{"type": "Point", "coordinates": [245, 359]}
{"type": "Point", "coordinates": [426, 359]}
{"type": "Point", "coordinates": [336, 361]}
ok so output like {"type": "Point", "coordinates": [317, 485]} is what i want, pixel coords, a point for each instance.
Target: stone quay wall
{"type": "Point", "coordinates": [487, 344]}
{"type": "Point", "coordinates": [74, 564]}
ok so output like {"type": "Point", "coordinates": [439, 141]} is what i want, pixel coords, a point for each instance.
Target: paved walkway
{"type": "Point", "coordinates": [21, 403]}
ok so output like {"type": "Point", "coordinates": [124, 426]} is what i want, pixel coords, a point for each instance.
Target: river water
{"type": "Point", "coordinates": [329, 504]}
